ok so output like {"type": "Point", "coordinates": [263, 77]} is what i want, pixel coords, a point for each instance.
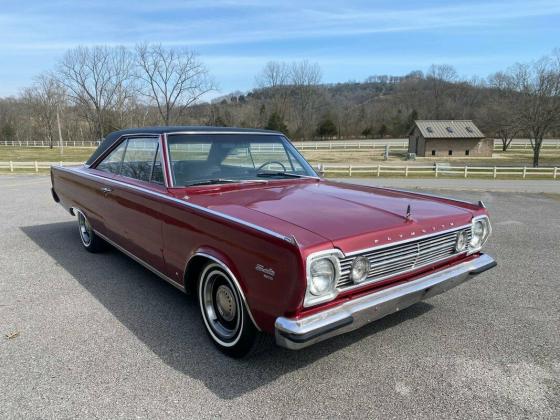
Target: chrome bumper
{"type": "Point", "coordinates": [296, 334]}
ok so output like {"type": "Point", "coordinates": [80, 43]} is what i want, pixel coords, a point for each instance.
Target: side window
{"type": "Point", "coordinates": [157, 171]}
{"type": "Point", "coordinates": [112, 163]}
{"type": "Point", "coordinates": [139, 158]}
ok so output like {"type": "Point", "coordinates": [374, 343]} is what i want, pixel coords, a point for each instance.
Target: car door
{"type": "Point", "coordinates": [95, 202]}
{"type": "Point", "coordinates": [132, 204]}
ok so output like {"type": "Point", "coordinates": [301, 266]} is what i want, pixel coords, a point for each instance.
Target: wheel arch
{"type": "Point", "coordinates": [196, 264]}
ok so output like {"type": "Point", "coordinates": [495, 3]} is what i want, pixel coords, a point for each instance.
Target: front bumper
{"type": "Point", "coordinates": [296, 334]}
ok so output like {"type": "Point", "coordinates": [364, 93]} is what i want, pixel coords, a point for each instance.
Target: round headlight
{"type": "Point", "coordinates": [462, 241]}
{"type": "Point", "coordinates": [478, 234]}
{"type": "Point", "coordinates": [360, 269]}
{"type": "Point", "coordinates": [322, 276]}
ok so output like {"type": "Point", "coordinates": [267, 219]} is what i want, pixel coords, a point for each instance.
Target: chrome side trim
{"type": "Point", "coordinates": [181, 202]}
{"type": "Point", "coordinates": [228, 271]}
{"type": "Point", "coordinates": [297, 333]}
{"type": "Point", "coordinates": [142, 262]}
{"type": "Point", "coordinates": [161, 145]}
{"type": "Point", "coordinates": [167, 161]}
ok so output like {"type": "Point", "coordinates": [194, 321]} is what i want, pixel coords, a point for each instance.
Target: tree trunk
{"type": "Point", "coordinates": [537, 152]}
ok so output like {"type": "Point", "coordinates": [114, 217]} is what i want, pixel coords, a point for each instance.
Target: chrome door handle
{"type": "Point", "coordinates": [106, 190]}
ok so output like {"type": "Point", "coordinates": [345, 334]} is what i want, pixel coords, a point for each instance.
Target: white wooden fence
{"type": "Point", "coordinates": [399, 145]}
{"type": "Point", "coordinates": [33, 166]}
{"type": "Point", "coordinates": [436, 171]}
{"type": "Point", "coordinates": [395, 144]}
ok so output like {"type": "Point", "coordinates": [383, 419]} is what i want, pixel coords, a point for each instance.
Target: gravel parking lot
{"type": "Point", "coordinates": [85, 335]}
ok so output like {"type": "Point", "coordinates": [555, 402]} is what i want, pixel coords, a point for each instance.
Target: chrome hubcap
{"type": "Point", "coordinates": [85, 229]}
{"type": "Point", "coordinates": [225, 303]}
{"type": "Point", "coordinates": [220, 304]}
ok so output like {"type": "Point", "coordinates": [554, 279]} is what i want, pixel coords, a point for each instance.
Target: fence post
{"type": "Point", "coordinates": [36, 167]}
{"type": "Point", "coordinates": [406, 170]}
{"type": "Point", "coordinates": [466, 170]}
{"type": "Point", "coordinates": [378, 169]}
{"type": "Point", "coordinates": [437, 168]}
{"type": "Point", "coordinates": [11, 166]}
{"type": "Point", "coordinates": [495, 172]}
{"type": "Point", "coordinates": [60, 163]}
{"type": "Point", "coordinates": [524, 172]}
{"type": "Point", "coordinates": [349, 170]}
{"type": "Point", "coordinates": [555, 172]}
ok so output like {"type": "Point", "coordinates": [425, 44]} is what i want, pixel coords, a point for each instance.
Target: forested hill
{"type": "Point", "coordinates": [379, 106]}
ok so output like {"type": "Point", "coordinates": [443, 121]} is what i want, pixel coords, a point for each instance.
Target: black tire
{"type": "Point", "coordinates": [223, 312]}
{"type": "Point", "coordinates": [90, 241]}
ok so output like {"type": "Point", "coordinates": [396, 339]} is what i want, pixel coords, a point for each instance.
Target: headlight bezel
{"type": "Point", "coordinates": [487, 231]}
{"type": "Point", "coordinates": [333, 256]}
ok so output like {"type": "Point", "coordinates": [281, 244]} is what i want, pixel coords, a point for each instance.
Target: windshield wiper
{"type": "Point", "coordinates": [288, 174]}
{"type": "Point", "coordinates": [212, 181]}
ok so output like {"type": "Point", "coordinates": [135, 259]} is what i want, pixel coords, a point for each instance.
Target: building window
{"type": "Point", "coordinates": [433, 152]}
{"type": "Point", "coordinates": [467, 152]}
{"type": "Point", "coordinates": [469, 129]}
{"type": "Point", "coordinates": [449, 129]}
{"type": "Point", "coordinates": [429, 129]}
{"type": "Point", "coordinates": [450, 153]}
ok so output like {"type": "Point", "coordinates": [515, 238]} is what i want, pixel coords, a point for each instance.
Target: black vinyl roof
{"type": "Point", "coordinates": [115, 135]}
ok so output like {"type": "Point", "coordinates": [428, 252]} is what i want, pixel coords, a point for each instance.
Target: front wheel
{"type": "Point", "coordinates": [90, 240]}
{"type": "Point", "coordinates": [224, 313]}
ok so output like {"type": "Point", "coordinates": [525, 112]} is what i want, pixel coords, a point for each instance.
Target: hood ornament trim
{"type": "Point", "coordinates": [408, 215]}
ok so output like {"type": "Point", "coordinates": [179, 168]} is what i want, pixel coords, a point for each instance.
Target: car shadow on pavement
{"type": "Point", "coordinates": [168, 322]}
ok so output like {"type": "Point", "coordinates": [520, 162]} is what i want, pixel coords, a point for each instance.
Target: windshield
{"type": "Point", "coordinates": [198, 159]}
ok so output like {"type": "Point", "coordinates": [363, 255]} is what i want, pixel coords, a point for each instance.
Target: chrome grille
{"type": "Point", "coordinates": [397, 259]}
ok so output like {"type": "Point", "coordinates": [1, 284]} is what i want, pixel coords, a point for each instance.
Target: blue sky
{"type": "Point", "coordinates": [349, 39]}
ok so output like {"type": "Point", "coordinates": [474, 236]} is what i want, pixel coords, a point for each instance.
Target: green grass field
{"type": "Point", "coordinates": [43, 154]}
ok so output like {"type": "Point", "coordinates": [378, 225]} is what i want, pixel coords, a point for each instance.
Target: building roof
{"type": "Point", "coordinates": [111, 138]}
{"type": "Point", "coordinates": [448, 129]}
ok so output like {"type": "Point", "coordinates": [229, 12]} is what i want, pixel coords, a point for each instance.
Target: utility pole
{"type": "Point", "coordinates": [59, 130]}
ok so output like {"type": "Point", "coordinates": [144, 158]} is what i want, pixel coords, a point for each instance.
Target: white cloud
{"type": "Point", "coordinates": [203, 23]}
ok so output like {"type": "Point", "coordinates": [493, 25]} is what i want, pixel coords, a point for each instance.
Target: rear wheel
{"type": "Point", "coordinates": [224, 313]}
{"type": "Point", "coordinates": [90, 240]}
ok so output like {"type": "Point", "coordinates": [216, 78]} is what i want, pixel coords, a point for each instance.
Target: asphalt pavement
{"type": "Point", "coordinates": [84, 335]}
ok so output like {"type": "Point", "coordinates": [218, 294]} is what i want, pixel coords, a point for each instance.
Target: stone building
{"type": "Point", "coordinates": [449, 138]}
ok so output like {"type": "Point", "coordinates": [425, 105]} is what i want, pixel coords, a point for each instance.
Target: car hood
{"type": "Point", "coordinates": [351, 216]}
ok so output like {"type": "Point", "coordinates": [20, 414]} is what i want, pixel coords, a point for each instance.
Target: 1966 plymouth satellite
{"type": "Point", "coordinates": [240, 219]}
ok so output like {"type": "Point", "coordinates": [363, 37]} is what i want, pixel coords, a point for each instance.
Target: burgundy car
{"type": "Point", "coordinates": [239, 218]}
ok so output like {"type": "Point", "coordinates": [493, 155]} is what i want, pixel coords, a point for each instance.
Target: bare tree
{"type": "Point", "coordinates": [45, 97]}
{"type": "Point", "coordinates": [275, 77]}
{"type": "Point", "coordinates": [274, 74]}
{"type": "Point", "coordinates": [499, 110]}
{"type": "Point", "coordinates": [537, 85]}
{"type": "Point", "coordinates": [173, 79]}
{"type": "Point", "coordinates": [440, 76]}
{"type": "Point", "coordinates": [96, 79]}
{"type": "Point", "coordinates": [305, 78]}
